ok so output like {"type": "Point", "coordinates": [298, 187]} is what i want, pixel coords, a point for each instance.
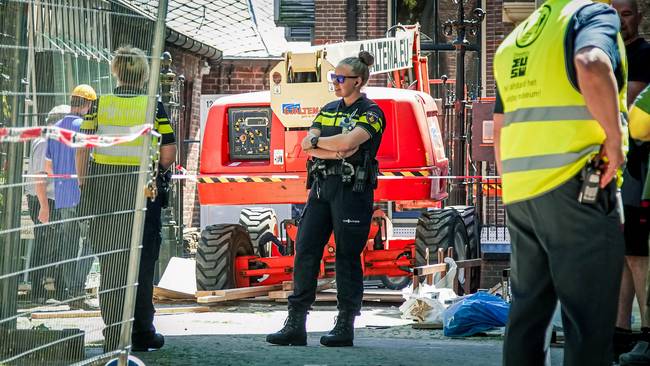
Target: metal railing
{"type": "Point", "coordinates": [69, 244]}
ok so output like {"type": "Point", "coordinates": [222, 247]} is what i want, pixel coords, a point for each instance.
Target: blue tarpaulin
{"type": "Point", "coordinates": [474, 314]}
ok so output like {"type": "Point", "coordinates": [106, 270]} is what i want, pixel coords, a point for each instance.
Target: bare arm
{"type": "Point", "coordinates": [344, 142]}
{"type": "Point", "coordinates": [498, 123]}
{"type": "Point", "coordinates": [598, 87]}
{"type": "Point", "coordinates": [326, 154]}
{"type": "Point", "coordinates": [167, 155]}
{"type": "Point", "coordinates": [41, 194]}
{"type": "Point", "coordinates": [82, 164]}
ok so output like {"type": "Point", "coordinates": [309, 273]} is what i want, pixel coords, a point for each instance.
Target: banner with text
{"type": "Point", "coordinates": [390, 54]}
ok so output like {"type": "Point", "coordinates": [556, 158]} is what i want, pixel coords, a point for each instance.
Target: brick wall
{"type": "Point", "coordinates": [330, 19]}
{"type": "Point", "coordinates": [189, 65]}
{"type": "Point", "coordinates": [329, 25]}
{"type": "Point", "coordinates": [496, 31]}
{"type": "Point", "coordinates": [492, 270]}
{"type": "Point", "coordinates": [238, 76]}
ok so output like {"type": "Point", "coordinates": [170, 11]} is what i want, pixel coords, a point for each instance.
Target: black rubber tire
{"type": "Point", "coordinates": [215, 257]}
{"type": "Point", "coordinates": [395, 283]}
{"type": "Point", "coordinates": [258, 220]}
{"type": "Point", "coordinates": [440, 229]}
{"type": "Point", "coordinates": [473, 226]}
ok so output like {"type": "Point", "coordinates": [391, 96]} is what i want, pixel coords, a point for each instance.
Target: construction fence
{"type": "Point", "coordinates": [77, 166]}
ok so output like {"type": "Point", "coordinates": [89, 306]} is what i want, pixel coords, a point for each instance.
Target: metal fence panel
{"type": "Point", "coordinates": [82, 251]}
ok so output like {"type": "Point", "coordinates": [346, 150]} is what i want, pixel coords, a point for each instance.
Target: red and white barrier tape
{"type": "Point", "coordinates": [238, 178]}
{"type": "Point", "coordinates": [70, 138]}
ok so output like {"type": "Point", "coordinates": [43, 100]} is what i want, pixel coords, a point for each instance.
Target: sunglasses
{"type": "Point", "coordinates": [339, 79]}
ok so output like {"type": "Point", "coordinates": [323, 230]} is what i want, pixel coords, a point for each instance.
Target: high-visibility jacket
{"type": "Point", "coordinates": [119, 116]}
{"type": "Point", "coordinates": [548, 135]}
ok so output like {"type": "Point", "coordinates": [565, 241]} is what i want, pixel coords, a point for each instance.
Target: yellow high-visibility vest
{"type": "Point", "coordinates": [548, 135]}
{"type": "Point", "coordinates": [119, 116]}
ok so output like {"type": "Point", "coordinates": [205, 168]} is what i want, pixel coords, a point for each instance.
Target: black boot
{"type": "Point", "coordinates": [147, 342]}
{"type": "Point", "coordinates": [343, 333]}
{"type": "Point", "coordinates": [294, 332]}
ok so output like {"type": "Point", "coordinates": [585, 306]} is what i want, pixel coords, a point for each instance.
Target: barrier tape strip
{"type": "Point", "coordinates": [420, 174]}
{"type": "Point", "coordinates": [68, 137]}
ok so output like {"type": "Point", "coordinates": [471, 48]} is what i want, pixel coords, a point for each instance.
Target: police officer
{"type": "Point", "coordinates": [559, 140]}
{"type": "Point", "coordinates": [342, 143]}
{"type": "Point", "coordinates": [109, 191]}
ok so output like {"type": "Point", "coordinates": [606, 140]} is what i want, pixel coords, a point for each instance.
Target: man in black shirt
{"type": "Point", "coordinates": [636, 231]}
{"type": "Point", "coordinates": [638, 50]}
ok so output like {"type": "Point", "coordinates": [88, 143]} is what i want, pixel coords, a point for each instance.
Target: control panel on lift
{"type": "Point", "coordinates": [250, 133]}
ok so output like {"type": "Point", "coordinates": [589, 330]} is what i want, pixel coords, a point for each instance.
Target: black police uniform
{"type": "Point", "coordinates": [334, 205]}
{"type": "Point", "coordinates": [110, 236]}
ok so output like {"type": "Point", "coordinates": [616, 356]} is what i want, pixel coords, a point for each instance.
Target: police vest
{"type": "Point", "coordinates": [120, 116]}
{"type": "Point", "coordinates": [548, 135]}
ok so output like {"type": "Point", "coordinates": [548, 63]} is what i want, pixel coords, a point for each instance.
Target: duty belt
{"type": "Point", "coordinates": [344, 169]}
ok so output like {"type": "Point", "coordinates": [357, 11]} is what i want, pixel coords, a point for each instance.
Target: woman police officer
{"type": "Point", "coordinates": [342, 140]}
{"type": "Point", "coordinates": [109, 193]}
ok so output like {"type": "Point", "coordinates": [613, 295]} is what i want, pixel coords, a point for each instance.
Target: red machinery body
{"type": "Point", "coordinates": [411, 147]}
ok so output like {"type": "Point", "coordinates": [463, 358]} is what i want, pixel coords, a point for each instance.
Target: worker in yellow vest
{"type": "Point", "coordinates": [560, 139]}
{"type": "Point", "coordinates": [109, 191]}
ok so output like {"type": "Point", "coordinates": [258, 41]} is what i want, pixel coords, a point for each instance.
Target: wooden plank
{"type": "Point", "coordinates": [240, 291]}
{"type": "Point", "coordinates": [67, 314]}
{"type": "Point", "coordinates": [323, 284]}
{"type": "Point", "coordinates": [97, 313]}
{"type": "Point", "coordinates": [331, 297]}
{"type": "Point", "coordinates": [163, 293]}
{"type": "Point", "coordinates": [208, 297]}
{"type": "Point", "coordinates": [469, 263]}
{"type": "Point", "coordinates": [429, 269]}
{"type": "Point", "coordinates": [280, 294]}
{"type": "Point", "coordinates": [287, 286]}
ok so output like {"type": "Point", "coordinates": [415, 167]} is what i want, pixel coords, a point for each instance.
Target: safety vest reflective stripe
{"type": "Point", "coordinates": [546, 161]}
{"type": "Point", "coordinates": [551, 113]}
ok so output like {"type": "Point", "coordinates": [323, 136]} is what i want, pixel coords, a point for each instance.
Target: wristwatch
{"type": "Point", "coordinates": [314, 142]}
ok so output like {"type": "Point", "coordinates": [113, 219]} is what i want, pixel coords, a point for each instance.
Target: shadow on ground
{"type": "Point", "coordinates": [226, 350]}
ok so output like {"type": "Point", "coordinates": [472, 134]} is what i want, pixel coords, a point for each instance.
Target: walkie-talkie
{"type": "Point", "coordinates": [590, 182]}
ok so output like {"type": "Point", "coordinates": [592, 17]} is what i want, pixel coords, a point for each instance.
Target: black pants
{"type": "Point", "coordinates": [562, 249]}
{"type": "Point", "coordinates": [332, 206]}
{"type": "Point", "coordinates": [112, 199]}
{"type": "Point", "coordinates": [44, 251]}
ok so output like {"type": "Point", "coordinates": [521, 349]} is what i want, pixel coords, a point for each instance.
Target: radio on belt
{"type": "Point", "coordinates": [590, 182]}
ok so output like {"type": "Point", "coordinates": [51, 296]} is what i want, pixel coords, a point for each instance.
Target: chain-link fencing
{"type": "Point", "coordinates": [79, 151]}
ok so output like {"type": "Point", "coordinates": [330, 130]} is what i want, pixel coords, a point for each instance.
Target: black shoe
{"type": "Point", "coordinates": [624, 340]}
{"type": "Point", "coordinates": [639, 355]}
{"type": "Point", "coordinates": [147, 343]}
{"type": "Point", "coordinates": [294, 332]}
{"type": "Point", "coordinates": [343, 333]}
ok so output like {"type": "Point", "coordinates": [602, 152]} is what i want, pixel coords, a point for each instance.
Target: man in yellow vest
{"type": "Point", "coordinates": [560, 140]}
